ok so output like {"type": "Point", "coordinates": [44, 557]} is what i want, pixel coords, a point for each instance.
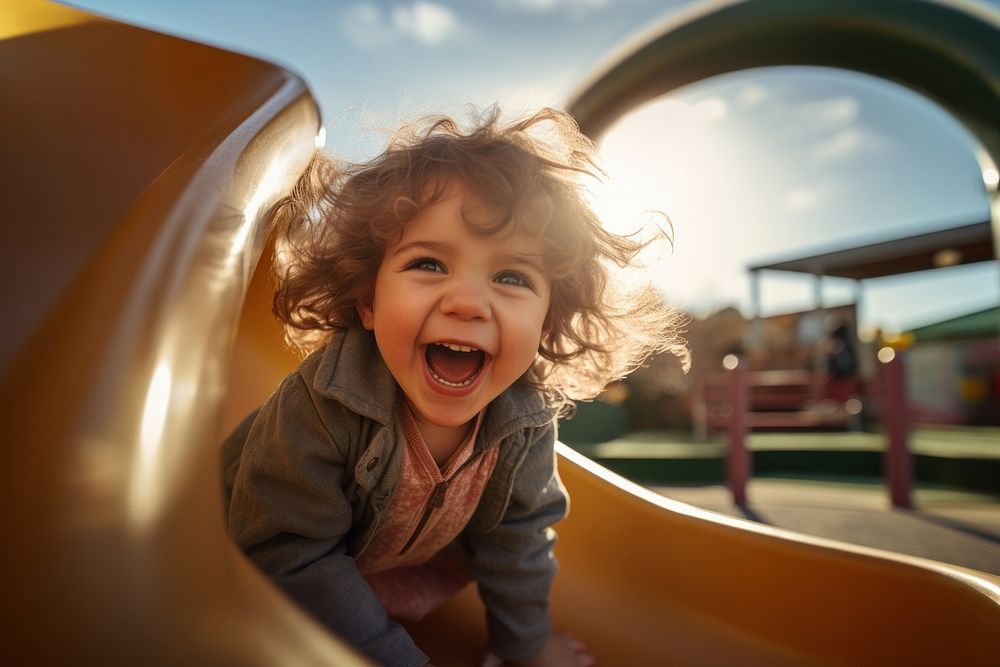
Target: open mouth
{"type": "Point", "coordinates": [454, 365]}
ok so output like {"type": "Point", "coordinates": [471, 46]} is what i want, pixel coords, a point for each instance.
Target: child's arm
{"type": "Point", "coordinates": [289, 514]}
{"type": "Point", "coordinates": [513, 563]}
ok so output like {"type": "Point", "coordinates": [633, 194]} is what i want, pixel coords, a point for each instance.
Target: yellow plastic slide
{"type": "Point", "coordinates": [136, 169]}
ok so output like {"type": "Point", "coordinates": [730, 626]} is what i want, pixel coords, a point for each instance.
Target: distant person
{"type": "Point", "coordinates": [841, 362]}
{"type": "Point", "coordinates": [454, 294]}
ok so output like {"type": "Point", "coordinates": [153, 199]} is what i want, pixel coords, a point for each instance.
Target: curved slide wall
{"type": "Point", "coordinates": [137, 332]}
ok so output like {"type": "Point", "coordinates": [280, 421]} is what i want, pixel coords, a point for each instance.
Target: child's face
{"type": "Point", "coordinates": [442, 286]}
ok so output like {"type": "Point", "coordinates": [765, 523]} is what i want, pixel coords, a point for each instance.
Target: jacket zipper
{"type": "Point", "coordinates": [436, 501]}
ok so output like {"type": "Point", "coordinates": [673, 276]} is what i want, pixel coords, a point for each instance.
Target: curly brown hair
{"type": "Point", "coordinates": [333, 229]}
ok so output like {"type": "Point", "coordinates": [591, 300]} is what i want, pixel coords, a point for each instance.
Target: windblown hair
{"type": "Point", "coordinates": [334, 228]}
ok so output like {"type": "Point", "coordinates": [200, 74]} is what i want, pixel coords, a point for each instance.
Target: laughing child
{"type": "Point", "coordinates": [454, 295]}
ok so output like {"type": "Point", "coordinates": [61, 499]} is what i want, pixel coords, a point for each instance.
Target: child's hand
{"type": "Point", "coordinates": [560, 650]}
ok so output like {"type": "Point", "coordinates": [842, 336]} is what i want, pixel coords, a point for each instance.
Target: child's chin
{"type": "Point", "coordinates": [455, 420]}
{"type": "Point", "coordinates": [443, 417]}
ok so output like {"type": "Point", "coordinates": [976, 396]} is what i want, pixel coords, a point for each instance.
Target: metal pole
{"type": "Point", "coordinates": [738, 463]}
{"type": "Point", "coordinates": [898, 461]}
{"type": "Point", "coordinates": [859, 306]}
{"type": "Point", "coordinates": [756, 333]}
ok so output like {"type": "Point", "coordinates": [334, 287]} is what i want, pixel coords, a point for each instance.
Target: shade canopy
{"type": "Point", "coordinates": [966, 244]}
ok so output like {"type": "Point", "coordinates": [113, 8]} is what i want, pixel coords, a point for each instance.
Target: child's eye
{"type": "Point", "coordinates": [426, 264]}
{"type": "Point", "coordinates": [514, 278]}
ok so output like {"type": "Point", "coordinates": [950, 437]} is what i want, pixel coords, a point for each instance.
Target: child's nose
{"type": "Point", "coordinates": [466, 299]}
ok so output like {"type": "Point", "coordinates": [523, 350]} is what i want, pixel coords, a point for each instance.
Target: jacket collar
{"type": "Point", "coordinates": [351, 371]}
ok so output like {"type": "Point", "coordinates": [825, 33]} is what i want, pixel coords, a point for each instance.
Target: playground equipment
{"type": "Point", "coordinates": [137, 169]}
{"type": "Point", "coordinates": [944, 51]}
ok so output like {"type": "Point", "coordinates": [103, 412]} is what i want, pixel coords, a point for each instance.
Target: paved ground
{"type": "Point", "coordinates": [952, 526]}
{"type": "Point", "coordinates": [949, 525]}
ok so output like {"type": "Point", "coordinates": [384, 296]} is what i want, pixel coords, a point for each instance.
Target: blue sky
{"type": "Point", "coordinates": [750, 166]}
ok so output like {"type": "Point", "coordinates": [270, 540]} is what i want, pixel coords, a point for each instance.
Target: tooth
{"type": "Point", "coordinates": [458, 348]}
{"type": "Point", "coordinates": [449, 383]}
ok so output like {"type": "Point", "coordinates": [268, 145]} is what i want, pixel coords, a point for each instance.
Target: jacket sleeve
{"type": "Point", "coordinates": [289, 514]}
{"type": "Point", "coordinates": [514, 563]}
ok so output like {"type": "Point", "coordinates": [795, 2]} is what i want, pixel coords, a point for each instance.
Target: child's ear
{"type": "Point", "coordinates": [367, 316]}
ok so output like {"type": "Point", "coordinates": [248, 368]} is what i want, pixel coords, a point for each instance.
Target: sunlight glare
{"type": "Point", "coordinates": [276, 179]}
{"type": "Point", "coordinates": [671, 156]}
{"type": "Point", "coordinates": [144, 486]}
{"type": "Point", "coordinates": [991, 179]}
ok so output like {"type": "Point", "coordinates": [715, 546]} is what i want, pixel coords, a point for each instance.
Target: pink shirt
{"type": "Point", "coordinates": [429, 509]}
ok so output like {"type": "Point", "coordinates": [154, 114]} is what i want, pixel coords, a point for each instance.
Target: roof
{"type": "Point", "coordinates": [966, 244]}
{"type": "Point", "coordinates": [982, 324]}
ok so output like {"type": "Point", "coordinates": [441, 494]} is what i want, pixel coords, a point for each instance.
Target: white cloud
{"type": "Point", "coordinates": [424, 22]}
{"type": "Point", "coordinates": [842, 144]}
{"type": "Point", "coordinates": [711, 108]}
{"type": "Point", "coordinates": [849, 142]}
{"type": "Point", "coordinates": [832, 129]}
{"type": "Point", "coordinates": [832, 112]}
{"type": "Point", "coordinates": [752, 94]}
{"type": "Point", "coordinates": [804, 199]}
{"type": "Point", "coordinates": [365, 26]}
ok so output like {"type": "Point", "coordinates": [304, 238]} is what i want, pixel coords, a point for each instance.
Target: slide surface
{"type": "Point", "coordinates": [138, 332]}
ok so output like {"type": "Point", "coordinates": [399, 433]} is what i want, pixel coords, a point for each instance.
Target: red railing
{"type": "Point", "coordinates": [739, 401]}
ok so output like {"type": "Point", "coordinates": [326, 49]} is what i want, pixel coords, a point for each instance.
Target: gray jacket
{"type": "Point", "coordinates": [309, 476]}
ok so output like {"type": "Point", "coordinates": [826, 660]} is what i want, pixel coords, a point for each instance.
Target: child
{"type": "Point", "coordinates": [454, 294]}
